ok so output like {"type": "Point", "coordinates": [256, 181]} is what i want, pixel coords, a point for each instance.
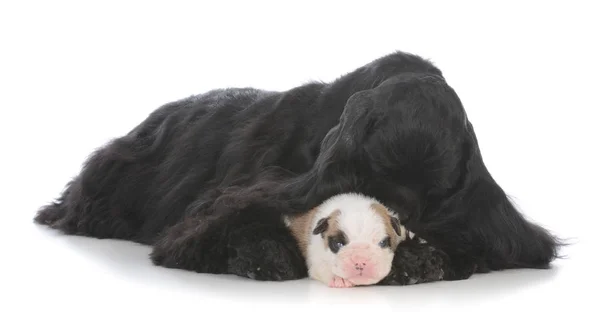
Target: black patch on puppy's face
{"type": "Point", "coordinates": [337, 241]}
{"type": "Point", "coordinates": [321, 226]}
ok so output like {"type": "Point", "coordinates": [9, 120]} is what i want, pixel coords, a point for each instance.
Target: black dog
{"type": "Point", "coordinates": [206, 179]}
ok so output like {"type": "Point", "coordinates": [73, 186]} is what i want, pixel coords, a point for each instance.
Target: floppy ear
{"type": "Point", "coordinates": [335, 169]}
{"type": "Point", "coordinates": [321, 227]}
{"type": "Point", "coordinates": [396, 225]}
{"type": "Point", "coordinates": [480, 221]}
{"type": "Point", "coordinates": [357, 123]}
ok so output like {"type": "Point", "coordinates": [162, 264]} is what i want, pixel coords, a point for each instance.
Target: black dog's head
{"type": "Point", "coordinates": [405, 141]}
{"type": "Point", "coordinates": [408, 143]}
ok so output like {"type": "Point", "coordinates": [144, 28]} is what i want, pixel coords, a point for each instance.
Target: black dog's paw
{"type": "Point", "coordinates": [263, 253]}
{"type": "Point", "coordinates": [193, 247]}
{"type": "Point", "coordinates": [245, 262]}
{"type": "Point", "coordinates": [416, 263]}
{"type": "Point", "coordinates": [160, 256]}
{"type": "Point", "coordinates": [460, 268]}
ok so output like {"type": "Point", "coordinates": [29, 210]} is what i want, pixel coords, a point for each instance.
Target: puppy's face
{"type": "Point", "coordinates": [360, 238]}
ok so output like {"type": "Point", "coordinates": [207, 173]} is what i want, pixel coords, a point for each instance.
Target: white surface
{"type": "Point", "coordinates": [73, 75]}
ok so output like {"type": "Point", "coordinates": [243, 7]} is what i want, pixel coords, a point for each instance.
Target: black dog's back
{"type": "Point", "coordinates": [186, 151]}
{"type": "Point", "coordinates": [139, 184]}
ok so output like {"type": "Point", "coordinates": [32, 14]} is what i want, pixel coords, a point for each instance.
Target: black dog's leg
{"type": "Point", "coordinates": [249, 243]}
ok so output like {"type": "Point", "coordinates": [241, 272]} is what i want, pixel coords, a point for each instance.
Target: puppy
{"type": "Point", "coordinates": [348, 240]}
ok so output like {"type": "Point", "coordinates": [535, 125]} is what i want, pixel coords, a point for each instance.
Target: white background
{"type": "Point", "coordinates": [76, 74]}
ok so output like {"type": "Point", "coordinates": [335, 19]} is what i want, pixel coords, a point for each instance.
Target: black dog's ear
{"type": "Point", "coordinates": [396, 225]}
{"type": "Point", "coordinates": [322, 226]}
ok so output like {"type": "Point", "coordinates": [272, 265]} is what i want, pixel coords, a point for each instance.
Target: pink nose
{"type": "Point", "coordinates": [359, 262]}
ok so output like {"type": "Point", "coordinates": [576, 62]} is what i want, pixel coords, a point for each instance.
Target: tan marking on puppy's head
{"type": "Point", "coordinates": [393, 228]}
{"type": "Point", "coordinates": [300, 226]}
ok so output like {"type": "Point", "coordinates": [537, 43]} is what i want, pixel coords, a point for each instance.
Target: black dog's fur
{"type": "Point", "coordinates": [205, 179]}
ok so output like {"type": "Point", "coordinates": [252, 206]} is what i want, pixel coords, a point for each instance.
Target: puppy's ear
{"type": "Point", "coordinates": [321, 227]}
{"type": "Point", "coordinates": [396, 225]}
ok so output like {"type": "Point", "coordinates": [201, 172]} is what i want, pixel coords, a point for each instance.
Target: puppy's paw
{"type": "Point", "coordinates": [338, 282]}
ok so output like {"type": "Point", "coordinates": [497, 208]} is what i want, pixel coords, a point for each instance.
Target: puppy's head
{"type": "Point", "coordinates": [360, 235]}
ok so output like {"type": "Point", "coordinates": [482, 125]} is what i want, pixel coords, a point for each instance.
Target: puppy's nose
{"type": "Point", "coordinates": [359, 262]}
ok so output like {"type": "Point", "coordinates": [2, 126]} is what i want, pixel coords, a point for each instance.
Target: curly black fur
{"type": "Point", "coordinates": [417, 263]}
{"type": "Point", "coordinates": [205, 179]}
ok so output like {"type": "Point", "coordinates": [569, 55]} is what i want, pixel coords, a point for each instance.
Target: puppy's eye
{"type": "Point", "coordinates": [386, 242]}
{"type": "Point", "coordinates": [336, 242]}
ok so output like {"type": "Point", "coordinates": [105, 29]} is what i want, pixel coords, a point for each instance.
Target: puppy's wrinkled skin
{"type": "Point", "coordinates": [392, 129]}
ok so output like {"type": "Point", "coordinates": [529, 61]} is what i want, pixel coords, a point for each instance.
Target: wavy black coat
{"type": "Point", "coordinates": [205, 179]}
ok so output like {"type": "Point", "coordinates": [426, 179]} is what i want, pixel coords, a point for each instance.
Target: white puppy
{"type": "Point", "coordinates": [348, 240]}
